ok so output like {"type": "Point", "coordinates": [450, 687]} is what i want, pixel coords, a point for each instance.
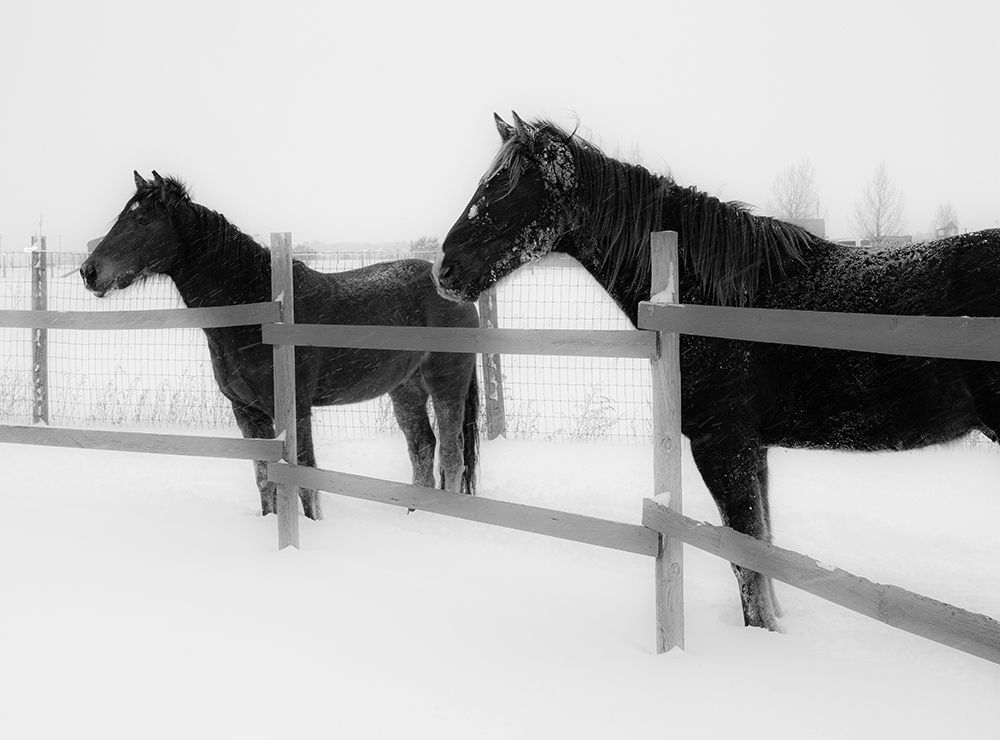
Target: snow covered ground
{"type": "Point", "coordinates": [142, 597]}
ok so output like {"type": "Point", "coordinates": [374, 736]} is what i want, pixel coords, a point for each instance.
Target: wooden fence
{"type": "Point", "coordinates": [493, 392]}
{"type": "Point", "coordinates": [664, 527]}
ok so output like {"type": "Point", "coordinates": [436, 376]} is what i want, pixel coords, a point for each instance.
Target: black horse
{"type": "Point", "coordinates": [212, 263]}
{"type": "Point", "coordinates": [550, 191]}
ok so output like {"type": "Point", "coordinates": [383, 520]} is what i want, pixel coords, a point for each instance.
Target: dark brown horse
{"type": "Point", "coordinates": [212, 263]}
{"type": "Point", "coordinates": [551, 191]}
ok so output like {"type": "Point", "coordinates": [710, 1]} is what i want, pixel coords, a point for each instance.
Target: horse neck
{"type": "Point", "coordinates": [217, 264]}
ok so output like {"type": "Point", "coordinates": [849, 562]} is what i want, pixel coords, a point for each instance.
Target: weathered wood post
{"type": "Point", "coordinates": [496, 416]}
{"type": "Point", "coordinates": [666, 388]}
{"type": "Point", "coordinates": [39, 337]}
{"type": "Point", "coordinates": [282, 290]}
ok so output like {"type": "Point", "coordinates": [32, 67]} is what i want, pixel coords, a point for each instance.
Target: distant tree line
{"type": "Point", "coordinates": [878, 217]}
{"type": "Point", "coordinates": [425, 244]}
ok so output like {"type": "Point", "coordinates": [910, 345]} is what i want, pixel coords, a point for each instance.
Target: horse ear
{"type": "Point", "coordinates": [505, 129]}
{"type": "Point", "coordinates": [139, 182]}
{"type": "Point", "coordinates": [521, 128]}
{"type": "Point", "coordinates": [157, 180]}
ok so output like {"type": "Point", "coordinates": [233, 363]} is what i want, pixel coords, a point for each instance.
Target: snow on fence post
{"type": "Point", "coordinates": [39, 336]}
{"type": "Point", "coordinates": [282, 290]}
{"type": "Point", "coordinates": [666, 390]}
{"type": "Point", "coordinates": [496, 416]}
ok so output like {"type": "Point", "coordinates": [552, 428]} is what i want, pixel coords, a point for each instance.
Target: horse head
{"type": "Point", "coordinates": [143, 241]}
{"type": "Point", "coordinates": [519, 212]}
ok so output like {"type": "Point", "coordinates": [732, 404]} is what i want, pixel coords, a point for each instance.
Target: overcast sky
{"type": "Point", "coordinates": [373, 122]}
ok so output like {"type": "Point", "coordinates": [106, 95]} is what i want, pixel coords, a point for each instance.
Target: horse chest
{"type": "Point", "coordinates": [243, 367]}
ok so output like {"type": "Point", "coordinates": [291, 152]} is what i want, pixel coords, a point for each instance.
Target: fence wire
{"type": "Point", "coordinates": [163, 378]}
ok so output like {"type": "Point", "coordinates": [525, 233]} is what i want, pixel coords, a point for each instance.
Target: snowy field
{"type": "Point", "coordinates": [143, 598]}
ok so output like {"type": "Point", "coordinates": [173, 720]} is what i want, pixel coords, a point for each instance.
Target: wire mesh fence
{"type": "Point", "coordinates": [551, 397]}
{"type": "Point", "coordinates": [163, 378]}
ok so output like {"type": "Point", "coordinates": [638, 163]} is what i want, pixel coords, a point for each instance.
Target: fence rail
{"type": "Point", "coordinates": [949, 337]}
{"type": "Point", "coordinates": [564, 525]}
{"type": "Point", "coordinates": [163, 444]}
{"type": "Point", "coordinates": [569, 342]}
{"type": "Point", "coordinates": [249, 314]}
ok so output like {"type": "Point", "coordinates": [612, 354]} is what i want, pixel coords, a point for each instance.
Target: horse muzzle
{"type": "Point", "coordinates": [445, 274]}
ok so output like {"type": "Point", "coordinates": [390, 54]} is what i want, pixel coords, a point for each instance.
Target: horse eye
{"type": "Point", "coordinates": [143, 219]}
{"type": "Point", "coordinates": [134, 206]}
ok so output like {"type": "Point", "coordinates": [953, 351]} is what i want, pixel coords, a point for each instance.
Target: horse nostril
{"type": "Point", "coordinates": [89, 274]}
{"type": "Point", "coordinates": [445, 271]}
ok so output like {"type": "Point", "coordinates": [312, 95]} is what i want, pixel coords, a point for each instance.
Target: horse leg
{"type": "Point", "coordinates": [307, 456]}
{"type": "Point", "coordinates": [449, 377]}
{"type": "Point", "coordinates": [734, 468]}
{"type": "Point", "coordinates": [409, 403]}
{"type": "Point", "coordinates": [255, 424]}
{"type": "Point", "coordinates": [987, 400]}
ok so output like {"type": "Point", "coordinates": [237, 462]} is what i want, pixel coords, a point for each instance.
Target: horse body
{"type": "Point", "coordinates": [333, 298]}
{"type": "Point", "coordinates": [807, 397]}
{"type": "Point", "coordinates": [550, 191]}
{"type": "Point", "coordinates": [214, 264]}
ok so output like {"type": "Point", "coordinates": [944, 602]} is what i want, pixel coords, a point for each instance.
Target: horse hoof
{"type": "Point", "coordinates": [769, 623]}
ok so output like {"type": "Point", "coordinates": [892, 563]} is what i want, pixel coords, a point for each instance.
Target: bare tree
{"type": "Point", "coordinates": [879, 213]}
{"type": "Point", "coordinates": [945, 214]}
{"type": "Point", "coordinates": [794, 192]}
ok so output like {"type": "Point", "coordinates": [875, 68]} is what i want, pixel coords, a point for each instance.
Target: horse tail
{"type": "Point", "coordinates": [470, 432]}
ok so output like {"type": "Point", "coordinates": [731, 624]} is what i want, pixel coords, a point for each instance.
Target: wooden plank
{"type": "Point", "coordinates": [283, 292]}
{"type": "Point", "coordinates": [171, 318]}
{"type": "Point", "coordinates": [589, 530]}
{"type": "Point", "coordinates": [39, 337]}
{"type": "Point", "coordinates": [162, 444]}
{"type": "Point", "coordinates": [972, 633]}
{"type": "Point", "coordinates": [947, 337]}
{"type": "Point", "coordinates": [573, 342]}
{"type": "Point", "coordinates": [496, 415]}
{"type": "Point", "coordinates": [666, 393]}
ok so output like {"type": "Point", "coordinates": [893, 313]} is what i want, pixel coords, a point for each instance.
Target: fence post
{"type": "Point", "coordinates": [39, 337]}
{"type": "Point", "coordinates": [666, 389]}
{"type": "Point", "coordinates": [496, 416]}
{"type": "Point", "coordinates": [282, 290]}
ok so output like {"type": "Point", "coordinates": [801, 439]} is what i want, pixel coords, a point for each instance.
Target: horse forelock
{"type": "Point", "coordinates": [172, 190]}
{"type": "Point", "coordinates": [510, 157]}
{"type": "Point", "coordinates": [527, 146]}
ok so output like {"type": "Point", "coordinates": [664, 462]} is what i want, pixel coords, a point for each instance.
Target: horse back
{"type": "Point", "coordinates": [395, 293]}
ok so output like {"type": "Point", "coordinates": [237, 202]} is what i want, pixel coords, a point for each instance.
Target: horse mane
{"type": "Point", "coordinates": [723, 243]}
